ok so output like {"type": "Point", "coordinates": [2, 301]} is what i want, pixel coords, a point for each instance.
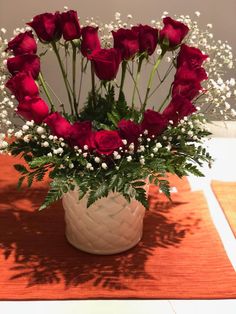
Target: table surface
{"type": "Point", "coordinates": [224, 152]}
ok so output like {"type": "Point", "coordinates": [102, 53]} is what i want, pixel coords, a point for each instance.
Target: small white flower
{"type": "Point", "coordinates": [197, 13]}
{"type": "Point", "coordinates": [25, 127]}
{"type": "Point", "coordinates": [142, 161]}
{"type": "Point", "coordinates": [97, 159]}
{"type": "Point", "coordinates": [85, 147]}
{"type": "Point", "coordinates": [89, 165]}
{"type": "Point", "coordinates": [60, 150]}
{"type": "Point", "coordinates": [145, 132]}
{"type": "Point", "coordinates": [3, 144]}
{"type": "Point", "coordinates": [232, 82]}
{"type": "Point", "coordinates": [18, 134]}
{"type": "Point", "coordinates": [26, 138]}
{"type": "Point", "coordinates": [155, 149]}
{"type": "Point", "coordinates": [129, 158]}
{"type": "Point", "coordinates": [118, 156]}
{"type": "Point", "coordinates": [152, 155]}
{"type": "Point", "coordinates": [51, 137]}
{"type": "Point", "coordinates": [49, 154]}
{"type": "Point", "coordinates": [104, 165]}
{"type": "Point", "coordinates": [129, 16]}
{"type": "Point", "coordinates": [115, 153]}
{"type": "Point", "coordinates": [124, 142]}
{"type": "Point", "coordinates": [45, 144]}
{"type": "Point", "coordinates": [40, 130]}
{"type": "Point", "coordinates": [158, 145]}
{"type": "Point", "coordinates": [30, 123]}
{"type": "Point", "coordinates": [141, 148]}
{"type": "Point", "coordinates": [85, 155]}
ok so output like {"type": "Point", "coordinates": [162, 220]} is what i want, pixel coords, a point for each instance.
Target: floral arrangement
{"type": "Point", "coordinates": [109, 142]}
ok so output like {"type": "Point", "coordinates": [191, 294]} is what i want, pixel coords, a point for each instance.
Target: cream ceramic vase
{"type": "Point", "coordinates": [110, 225]}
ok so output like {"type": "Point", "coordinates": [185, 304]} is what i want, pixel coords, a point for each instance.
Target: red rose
{"type": "Point", "coordinates": [81, 133]}
{"type": "Point", "coordinates": [172, 33]}
{"type": "Point", "coordinates": [154, 122]}
{"type": "Point", "coordinates": [148, 38]}
{"type": "Point", "coordinates": [187, 74]}
{"type": "Point", "coordinates": [23, 43]}
{"type": "Point", "coordinates": [28, 63]}
{"type": "Point", "coordinates": [58, 125]}
{"type": "Point", "coordinates": [106, 63]}
{"type": "Point", "coordinates": [187, 89]}
{"type": "Point", "coordinates": [191, 55]}
{"type": "Point", "coordinates": [178, 108]}
{"type": "Point", "coordinates": [47, 26]}
{"type": "Point", "coordinates": [70, 25]}
{"type": "Point", "coordinates": [129, 130]}
{"type": "Point", "coordinates": [33, 109]}
{"type": "Point", "coordinates": [90, 40]}
{"type": "Point", "coordinates": [106, 142]}
{"type": "Point", "coordinates": [22, 85]}
{"type": "Point", "coordinates": [126, 40]}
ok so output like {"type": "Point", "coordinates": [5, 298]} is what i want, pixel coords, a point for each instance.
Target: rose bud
{"type": "Point", "coordinates": [105, 142]}
{"type": "Point", "coordinates": [47, 26]}
{"type": "Point", "coordinates": [188, 90]}
{"type": "Point", "coordinates": [148, 38]}
{"type": "Point", "coordinates": [178, 108]}
{"type": "Point", "coordinates": [126, 40]}
{"type": "Point", "coordinates": [70, 25]}
{"type": "Point", "coordinates": [90, 40]}
{"type": "Point", "coordinates": [23, 43]}
{"type": "Point", "coordinates": [22, 85]}
{"type": "Point", "coordinates": [154, 122]}
{"type": "Point", "coordinates": [129, 130]}
{"type": "Point", "coordinates": [106, 63]}
{"type": "Point", "coordinates": [193, 56]}
{"type": "Point", "coordinates": [28, 63]}
{"type": "Point", "coordinates": [58, 125]}
{"type": "Point", "coordinates": [81, 133]}
{"type": "Point", "coordinates": [33, 109]}
{"type": "Point", "coordinates": [172, 34]}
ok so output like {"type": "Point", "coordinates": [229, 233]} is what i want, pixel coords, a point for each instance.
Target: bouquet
{"type": "Point", "coordinates": [115, 139]}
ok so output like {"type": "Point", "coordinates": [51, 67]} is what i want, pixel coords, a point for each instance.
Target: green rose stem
{"type": "Point", "coordinates": [93, 85]}
{"type": "Point", "coordinates": [124, 67]}
{"type": "Point", "coordinates": [158, 61]}
{"type": "Point", "coordinates": [67, 85]}
{"type": "Point", "coordinates": [137, 79]}
{"type": "Point", "coordinates": [165, 100]}
{"type": "Point", "coordinates": [55, 95]}
{"type": "Point", "coordinates": [74, 77]}
{"type": "Point", "coordinates": [80, 83]}
{"type": "Point", "coordinates": [43, 84]}
{"type": "Point", "coordinates": [162, 80]}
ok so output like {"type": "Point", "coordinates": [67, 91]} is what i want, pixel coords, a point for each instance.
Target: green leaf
{"type": "Point", "coordinates": [41, 161]}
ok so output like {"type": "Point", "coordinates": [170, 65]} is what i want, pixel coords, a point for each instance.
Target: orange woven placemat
{"type": "Point", "coordinates": [225, 193]}
{"type": "Point", "coordinates": [179, 257]}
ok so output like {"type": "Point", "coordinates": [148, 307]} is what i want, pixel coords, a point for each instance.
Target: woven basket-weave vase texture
{"type": "Point", "coordinates": [110, 225]}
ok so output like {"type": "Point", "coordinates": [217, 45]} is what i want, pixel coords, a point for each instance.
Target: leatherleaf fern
{"type": "Point", "coordinates": [175, 151]}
